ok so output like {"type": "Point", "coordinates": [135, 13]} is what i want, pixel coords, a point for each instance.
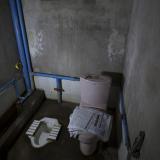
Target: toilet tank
{"type": "Point", "coordinates": [95, 91]}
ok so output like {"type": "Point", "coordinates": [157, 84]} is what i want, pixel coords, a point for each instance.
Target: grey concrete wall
{"type": "Point", "coordinates": [8, 48]}
{"type": "Point", "coordinates": [74, 37]}
{"type": "Point", "coordinates": [8, 56]}
{"type": "Point", "coordinates": [142, 73]}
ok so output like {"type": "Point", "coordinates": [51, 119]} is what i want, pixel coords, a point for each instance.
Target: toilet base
{"type": "Point", "coordinates": [88, 143]}
{"type": "Point", "coordinates": [88, 149]}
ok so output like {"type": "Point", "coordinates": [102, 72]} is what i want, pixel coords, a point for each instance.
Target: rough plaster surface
{"type": "Point", "coordinates": [142, 72]}
{"type": "Point", "coordinates": [8, 57]}
{"type": "Point", "coordinates": [8, 97]}
{"type": "Point", "coordinates": [76, 37]}
{"type": "Point", "coordinates": [8, 48]}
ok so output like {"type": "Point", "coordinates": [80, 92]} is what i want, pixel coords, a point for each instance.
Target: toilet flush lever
{"type": "Point", "coordinates": [137, 145]}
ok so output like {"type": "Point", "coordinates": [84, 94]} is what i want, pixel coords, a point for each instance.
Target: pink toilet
{"type": "Point", "coordinates": [94, 94]}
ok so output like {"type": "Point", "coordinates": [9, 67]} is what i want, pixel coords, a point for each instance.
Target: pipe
{"type": "Point", "coordinates": [13, 82]}
{"type": "Point", "coordinates": [20, 44]}
{"type": "Point", "coordinates": [10, 83]}
{"type": "Point", "coordinates": [22, 99]}
{"type": "Point", "coordinates": [24, 37]}
{"type": "Point", "coordinates": [7, 85]}
{"type": "Point", "coordinates": [54, 76]}
{"type": "Point", "coordinates": [125, 132]}
{"type": "Point", "coordinates": [59, 90]}
{"type": "Point", "coordinates": [16, 89]}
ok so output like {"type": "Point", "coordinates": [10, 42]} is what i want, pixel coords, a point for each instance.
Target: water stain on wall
{"type": "Point", "coordinates": [116, 46]}
{"type": "Point", "coordinates": [36, 43]}
{"type": "Point", "coordinates": [76, 37]}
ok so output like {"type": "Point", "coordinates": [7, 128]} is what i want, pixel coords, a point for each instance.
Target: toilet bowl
{"type": "Point", "coordinates": [94, 94]}
{"type": "Point", "coordinates": [44, 131]}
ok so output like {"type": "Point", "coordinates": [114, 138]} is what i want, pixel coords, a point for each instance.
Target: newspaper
{"type": "Point", "coordinates": [85, 119]}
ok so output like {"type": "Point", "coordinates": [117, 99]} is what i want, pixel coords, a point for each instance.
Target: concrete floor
{"type": "Point", "coordinates": [64, 148]}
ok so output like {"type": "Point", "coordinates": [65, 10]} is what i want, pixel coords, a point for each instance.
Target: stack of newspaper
{"type": "Point", "coordinates": [89, 120]}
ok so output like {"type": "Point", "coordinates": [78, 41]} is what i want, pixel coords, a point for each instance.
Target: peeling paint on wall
{"type": "Point", "coordinates": [116, 46]}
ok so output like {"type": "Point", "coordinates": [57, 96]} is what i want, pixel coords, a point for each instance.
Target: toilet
{"type": "Point", "coordinates": [94, 94]}
{"type": "Point", "coordinates": [43, 131]}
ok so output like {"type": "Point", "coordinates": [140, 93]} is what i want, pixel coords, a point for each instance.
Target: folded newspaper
{"type": "Point", "coordinates": [89, 120]}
